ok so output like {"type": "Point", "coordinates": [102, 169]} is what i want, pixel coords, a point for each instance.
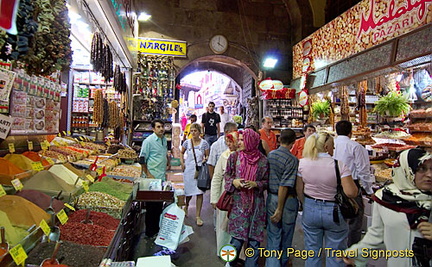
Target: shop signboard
{"type": "Point", "coordinates": [158, 46]}
{"type": "Point", "coordinates": [367, 24]}
{"type": "Point", "coordinates": [5, 125]}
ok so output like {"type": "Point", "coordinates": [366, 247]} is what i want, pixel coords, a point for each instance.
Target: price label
{"type": "Point", "coordinates": [37, 166]}
{"type": "Point", "coordinates": [47, 143]}
{"type": "Point", "coordinates": [2, 191]}
{"type": "Point", "coordinates": [64, 133]}
{"type": "Point", "coordinates": [82, 143]}
{"type": "Point", "coordinates": [45, 227]}
{"type": "Point", "coordinates": [69, 132]}
{"type": "Point", "coordinates": [81, 138]}
{"type": "Point", "coordinates": [62, 216]}
{"type": "Point", "coordinates": [50, 161]}
{"type": "Point", "coordinates": [17, 184]}
{"type": "Point", "coordinates": [85, 186]}
{"type": "Point", "coordinates": [18, 254]}
{"type": "Point", "coordinates": [43, 146]}
{"type": "Point", "coordinates": [56, 143]}
{"type": "Point", "coordinates": [69, 206]}
{"type": "Point", "coordinates": [59, 135]}
{"type": "Point", "coordinates": [90, 178]}
{"type": "Point", "coordinates": [99, 171]}
{"type": "Point", "coordinates": [30, 145]}
{"type": "Point", "coordinates": [11, 147]}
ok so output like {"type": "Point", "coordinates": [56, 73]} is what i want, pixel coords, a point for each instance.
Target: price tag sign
{"type": "Point", "coordinates": [45, 227]}
{"type": "Point", "coordinates": [50, 161]}
{"type": "Point", "coordinates": [62, 216]}
{"type": "Point", "coordinates": [2, 191]}
{"type": "Point", "coordinates": [11, 147]}
{"type": "Point", "coordinates": [69, 206]}
{"type": "Point", "coordinates": [90, 178]}
{"type": "Point", "coordinates": [47, 143]}
{"type": "Point", "coordinates": [18, 254]}
{"type": "Point", "coordinates": [59, 134]}
{"type": "Point", "coordinates": [56, 143]}
{"type": "Point", "coordinates": [64, 133]}
{"type": "Point", "coordinates": [17, 184]}
{"type": "Point", "coordinates": [69, 132]}
{"type": "Point", "coordinates": [82, 143]}
{"type": "Point", "coordinates": [30, 145]}
{"type": "Point", "coordinates": [37, 166]}
{"type": "Point", "coordinates": [85, 186]}
{"type": "Point", "coordinates": [99, 171]}
{"type": "Point", "coordinates": [81, 138]}
{"type": "Point", "coordinates": [43, 146]}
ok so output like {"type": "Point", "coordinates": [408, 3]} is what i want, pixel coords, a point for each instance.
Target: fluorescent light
{"type": "Point", "coordinates": [270, 62]}
{"type": "Point", "coordinates": [73, 17]}
{"type": "Point", "coordinates": [144, 16]}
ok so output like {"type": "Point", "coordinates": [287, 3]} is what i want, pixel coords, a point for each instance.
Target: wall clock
{"type": "Point", "coordinates": [218, 44]}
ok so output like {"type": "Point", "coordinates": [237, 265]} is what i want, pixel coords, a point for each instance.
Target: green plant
{"type": "Point", "coordinates": [393, 104]}
{"type": "Point", "coordinates": [320, 109]}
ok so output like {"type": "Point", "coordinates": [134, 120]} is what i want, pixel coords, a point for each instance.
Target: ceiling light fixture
{"type": "Point", "coordinates": [144, 16]}
{"type": "Point", "coordinates": [270, 62]}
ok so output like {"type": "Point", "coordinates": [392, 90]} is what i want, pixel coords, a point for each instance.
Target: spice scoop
{"type": "Point", "coordinates": [55, 231]}
{"type": "Point", "coordinates": [53, 262]}
{"type": "Point", "coordinates": [87, 221]}
{"type": "Point", "coordinates": [4, 246]}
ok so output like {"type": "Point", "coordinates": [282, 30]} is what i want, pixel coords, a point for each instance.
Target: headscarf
{"type": "Point", "coordinates": [233, 136]}
{"type": "Point", "coordinates": [249, 158]}
{"type": "Point", "coordinates": [403, 195]}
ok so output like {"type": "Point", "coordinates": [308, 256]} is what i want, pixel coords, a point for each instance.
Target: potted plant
{"type": "Point", "coordinates": [393, 104]}
{"type": "Point", "coordinates": [320, 109]}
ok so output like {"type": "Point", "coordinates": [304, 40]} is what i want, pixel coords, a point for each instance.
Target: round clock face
{"type": "Point", "coordinates": [218, 44]}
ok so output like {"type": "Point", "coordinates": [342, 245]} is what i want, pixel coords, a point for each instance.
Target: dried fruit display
{"type": "Point", "coordinates": [113, 115]}
{"type": "Point", "coordinates": [98, 106]}
{"type": "Point", "coordinates": [101, 57]}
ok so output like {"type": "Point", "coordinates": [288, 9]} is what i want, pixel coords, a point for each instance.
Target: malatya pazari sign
{"type": "Point", "coordinates": [367, 24]}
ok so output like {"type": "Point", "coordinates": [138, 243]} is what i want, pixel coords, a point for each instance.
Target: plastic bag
{"type": "Point", "coordinates": [171, 225]}
{"type": "Point", "coordinates": [204, 180]}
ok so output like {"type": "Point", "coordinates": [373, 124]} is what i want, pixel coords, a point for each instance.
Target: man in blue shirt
{"type": "Point", "coordinates": [282, 204]}
{"type": "Point", "coordinates": [154, 162]}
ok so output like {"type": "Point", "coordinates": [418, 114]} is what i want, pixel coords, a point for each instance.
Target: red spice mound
{"type": "Point", "coordinates": [86, 234]}
{"type": "Point", "coordinates": [98, 218]}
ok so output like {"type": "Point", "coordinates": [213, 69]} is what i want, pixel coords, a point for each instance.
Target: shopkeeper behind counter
{"type": "Point", "coordinates": [154, 162]}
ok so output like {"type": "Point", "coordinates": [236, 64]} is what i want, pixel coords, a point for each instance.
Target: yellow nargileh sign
{"type": "Point", "coordinates": [158, 46]}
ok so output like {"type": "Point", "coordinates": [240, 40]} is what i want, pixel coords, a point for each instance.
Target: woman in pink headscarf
{"type": "Point", "coordinates": [246, 176]}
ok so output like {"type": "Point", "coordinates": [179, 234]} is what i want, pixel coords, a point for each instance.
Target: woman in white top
{"type": "Point", "coordinates": [197, 152]}
{"type": "Point", "coordinates": [217, 188]}
{"type": "Point", "coordinates": [323, 224]}
{"type": "Point", "coordinates": [400, 215]}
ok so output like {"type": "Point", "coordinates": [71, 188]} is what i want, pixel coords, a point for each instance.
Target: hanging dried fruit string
{"type": "Point", "coordinates": [361, 96]}
{"type": "Point", "coordinates": [98, 107]}
{"type": "Point", "coordinates": [344, 103]}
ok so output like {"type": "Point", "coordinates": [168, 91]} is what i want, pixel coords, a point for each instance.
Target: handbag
{"type": "Point", "coordinates": [422, 249]}
{"type": "Point", "coordinates": [225, 201]}
{"type": "Point", "coordinates": [204, 180]}
{"type": "Point", "coordinates": [197, 168]}
{"type": "Point", "coordinates": [348, 206]}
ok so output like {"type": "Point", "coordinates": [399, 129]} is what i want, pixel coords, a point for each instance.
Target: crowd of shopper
{"type": "Point", "coordinates": [269, 186]}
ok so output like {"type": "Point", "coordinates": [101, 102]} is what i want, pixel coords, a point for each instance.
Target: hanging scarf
{"type": "Point", "coordinates": [403, 195]}
{"type": "Point", "coordinates": [248, 168]}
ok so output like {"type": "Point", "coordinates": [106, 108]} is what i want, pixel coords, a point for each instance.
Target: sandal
{"type": "Point", "coordinates": [199, 222]}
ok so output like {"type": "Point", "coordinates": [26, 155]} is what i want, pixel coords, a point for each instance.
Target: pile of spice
{"type": "Point", "coordinates": [50, 184]}
{"type": "Point", "coordinates": [97, 218]}
{"type": "Point", "coordinates": [14, 233]}
{"type": "Point", "coordinates": [108, 185]}
{"type": "Point", "coordinates": [86, 234]}
{"type": "Point", "coordinates": [8, 172]}
{"type": "Point", "coordinates": [72, 254]}
{"type": "Point", "coordinates": [102, 202]}
{"type": "Point", "coordinates": [34, 156]}
{"type": "Point", "coordinates": [66, 175]}
{"type": "Point", "coordinates": [20, 211]}
{"type": "Point", "coordinates": [20, 161]}
{"type": "Point", "coordinates": [40, 199]}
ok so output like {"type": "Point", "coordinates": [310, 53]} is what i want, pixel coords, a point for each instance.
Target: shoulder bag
{"type": "Point", "coordinates": [225, 201]}
{"type": "Point", "coordinates": [197, 168]}
{"type": "Point", "coordinates": [348, 206]}
{"type": "Point", "coordinates": [422, 249]}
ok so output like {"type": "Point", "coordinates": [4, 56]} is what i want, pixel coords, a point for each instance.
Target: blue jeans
{"type": "Point", "coordinates": [320, 231]}
{"type": "Point", "coordinates": [280, 235]}
{"type": "Point", "coordinates": [210, 139]}
{"type": "Point", "coordinates": [250, 261]}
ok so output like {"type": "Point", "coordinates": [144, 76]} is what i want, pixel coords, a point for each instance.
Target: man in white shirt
{"type": "Point", "coordinates": [225, 117]}
{"type": "Point", "coordinates": [356, 157]}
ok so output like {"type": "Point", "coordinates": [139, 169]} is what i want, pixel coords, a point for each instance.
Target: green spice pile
{"type": "Point", "coordinates": [101, 202]}
{"type": "Point", "coordinates": [108, 185]}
